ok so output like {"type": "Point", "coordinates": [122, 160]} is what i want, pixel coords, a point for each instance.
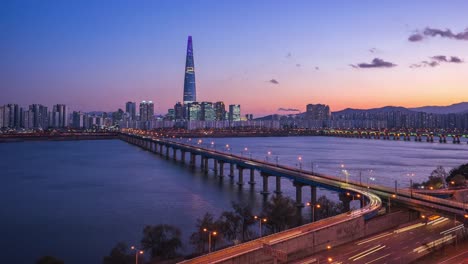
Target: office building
{"type": "Point", "coordinates": [220, 111]}
{"type": "Point", "coordinates": [234, 113]}
{"type": "Point", "coordinates": [194, 111]}
{"type": "Point", "coordinates": [130, 108]}
{"type": "Point", "coordinates": [207, 112]}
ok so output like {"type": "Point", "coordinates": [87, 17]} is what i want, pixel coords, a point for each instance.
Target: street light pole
{"type": "Point", "coordinates": [260, 220]}
{"type": "Point", "coordinates": [214, 233]}
{"type": "Point", "coordinates": [137, 251]}
{"type": "Point", "coordinates": [312, 206]}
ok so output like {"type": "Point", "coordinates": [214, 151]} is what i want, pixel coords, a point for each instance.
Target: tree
{"type": "Point", "coordinates": [162, 241]}
{"type": "Point", "coordinates": [199, 238]}
{"type": "Point", "coordinates": [460, 170]}
{"type": "Point", "coordinates": [229, 224]}
{"type": "Point", "coordinates": [280, 212]}
{"type": "Point", "coordinates": [244, 212]}
{"type": "Point", "coordinates": [49, 260]}
{"type": "Point", "coordinates": [327, 208]}
{"type": "Point", "coordinates": [119, 255]}
{"type": "Point", "coordinates": [437, 178]}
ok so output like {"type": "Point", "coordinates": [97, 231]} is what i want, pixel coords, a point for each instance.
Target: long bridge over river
{"type": "Point", "coordinates": [308, 238]}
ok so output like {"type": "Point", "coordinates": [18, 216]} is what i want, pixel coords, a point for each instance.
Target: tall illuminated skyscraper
{"type": "Point", "coordinates": [190, 91]}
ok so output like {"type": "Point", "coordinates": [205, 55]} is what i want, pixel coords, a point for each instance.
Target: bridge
{"type": "Point", "coordinates": [317, 235]}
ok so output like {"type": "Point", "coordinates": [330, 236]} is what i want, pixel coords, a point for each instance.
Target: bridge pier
{"type": "Point", "coordinates": [221, 168]}
{"type": "Point", "coordinates": [298, 186]}
{"type": "Point", "coordinates": [252, 177]}
{"type": "Point", "coordinates": [192, 160]}
{"type": "Point", "coordinates": [182, 156]}
{"type": "Point", "coordinates": [265, 191]}
{"type": "Point", "coordinates": [215, 166]}
{"type": "Point", "coordinates": [278, 186]}
{"type": "Point", "coordinates": [167, 152]}
{"type": "Point", "coordinates": [174, 153]}
{"type": "Point", "coordinates": [313, 195]}
{"type": "Point", "coordinates": [160, 149]}
{"type": "Point", "coordinates": [241, 176]}
{"type": "Point", "coordinates": [231, 170]}
{"type": "Point", "coordinates": [205, 167]}
{"type": "Point", "coordinates": [202, 162]}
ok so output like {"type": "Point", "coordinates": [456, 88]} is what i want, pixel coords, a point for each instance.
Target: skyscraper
{"type": "Point", "coordinates": [130, 107]}
{"type": "Point", "coordinates": [190, 91]}
{"type": "Point", "coordinates": [220, 110]}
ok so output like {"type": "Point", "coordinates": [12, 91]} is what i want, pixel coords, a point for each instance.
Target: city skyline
{"type": "Point", "coordinates": [134, 51]}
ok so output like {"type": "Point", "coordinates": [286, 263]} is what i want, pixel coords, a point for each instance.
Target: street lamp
{"type": "Point", "coordinates": [245, 150]}
{"type": "Point", "coordinates": [210, 233]}
{"type": "Point", "coordinates": [137, 252]}
{"type": "Point", "coordinates": [277, 158]}
{"type": "Point", "coordinates": [268, 155]}
{"type": "Point", "coordinates": [313, 206]}
{"type": "Point", "coordinates": [300, 162]}
{"type": "Point", "coordinates": [260, 220]}
{"type": "Point", "coordinates": [213, 145]}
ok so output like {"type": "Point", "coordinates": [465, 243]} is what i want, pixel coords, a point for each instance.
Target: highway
{"type": "Point", "coordinates": [402, 245]}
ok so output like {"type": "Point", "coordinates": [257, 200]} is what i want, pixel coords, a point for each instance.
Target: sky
{"type": "Point", "coordinates": [263, 55]}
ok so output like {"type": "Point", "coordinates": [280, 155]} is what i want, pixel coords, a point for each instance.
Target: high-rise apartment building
{"type": "Point", "coordinates": [130, 108]}
{"type": "Point", "coordinates": [40, 116]}
{"type": "Point", "coordinates": [146, 111]}
{"type": "Point", "coordinates": [59, 116]}
{"type": "Point", "coordinates": [234, 112]}
{"type": "Point", "coordinates": [317, 112]}
{"type": "Point", "coordinates": [190, 92]}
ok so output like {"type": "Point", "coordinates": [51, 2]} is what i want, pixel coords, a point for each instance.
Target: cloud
{"type": "Point", "coordinates": [455, 59]}
{"type": "Point", "coordinates": [288, 55]}
{"type": "Point", "coordinates": [288, 109]}
{"type": "Point", "coordinates": [376, 63]}
{"type": "Point", "coordinates": [298, 65]}
{"type": "Point", "coordinates": [415, 37]}
{"type": "Point", "coordinates": [273, 81]}
{"type": "Point", "coordinates": [451, 59]}
{"type": "Point", "coordinates": [436, 61]}
{"type": "Point", "coordinates": [373, 50]}
{"type": "Point", "coordinates": [434, 32]}
{"type": "Point", "coordinates": [317, 68]}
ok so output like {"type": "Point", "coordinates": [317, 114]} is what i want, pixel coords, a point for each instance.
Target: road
{"type": "Point", "coordinates": [402, 245]}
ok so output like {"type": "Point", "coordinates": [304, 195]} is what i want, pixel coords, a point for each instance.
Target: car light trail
{"type": "Point", "coordinates": [374, 238]}
{"type": "Point", "coordinates": [404, 229]}
{"type": "Point", "coordinates": [366, 252]}
{"type": "Point", "coordinates": [453, 229]}
{"type": "Point", "coordinates": [433, 244]}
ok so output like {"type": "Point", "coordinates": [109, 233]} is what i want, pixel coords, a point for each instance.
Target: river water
{"type": "Point", "coordinates": [76, 199]}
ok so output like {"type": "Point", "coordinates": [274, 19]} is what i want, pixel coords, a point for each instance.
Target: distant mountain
{"type": "Point", "coordinates": [455, 108]}
{"type": "Point", "coordinates": [384, 109]}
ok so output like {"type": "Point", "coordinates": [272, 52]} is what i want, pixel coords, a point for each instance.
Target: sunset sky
{"type": "Point", "coordinates": [264, 55]}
